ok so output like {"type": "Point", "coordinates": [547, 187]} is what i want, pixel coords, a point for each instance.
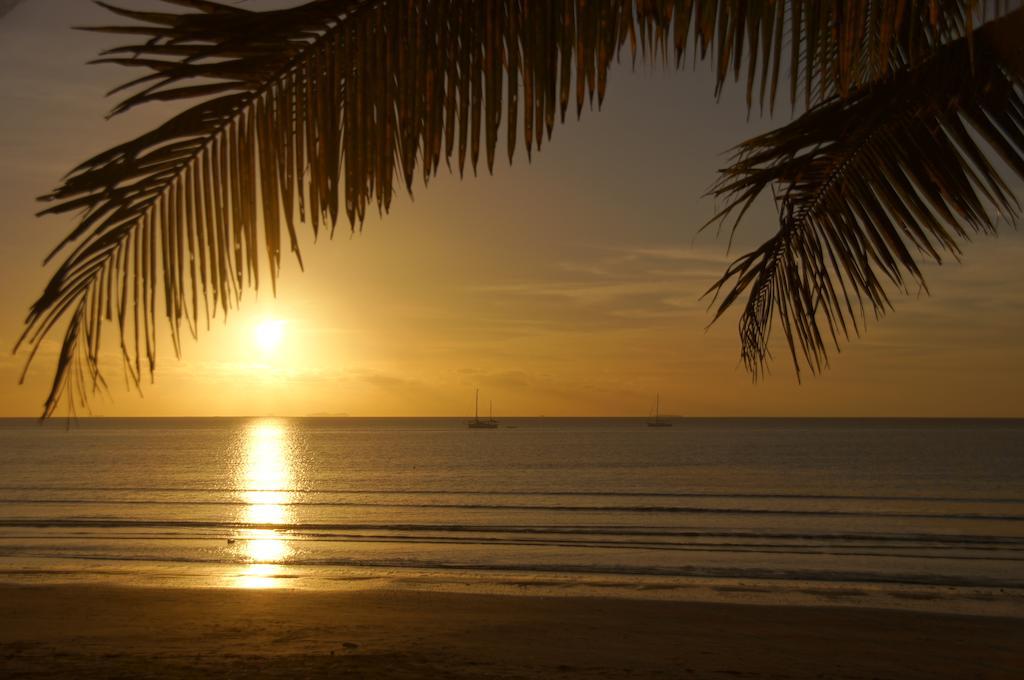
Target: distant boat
{"type": "Point", "coordinates": [658, 422]}
{"type": "Point", "coordinates": [476, 423]}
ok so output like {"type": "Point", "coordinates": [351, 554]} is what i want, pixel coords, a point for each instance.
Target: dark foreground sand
{"type": "Point", "coordinates": [81, 631]}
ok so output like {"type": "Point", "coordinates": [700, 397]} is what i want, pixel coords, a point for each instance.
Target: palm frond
{"type": "Point", "coordinates": [312, 111]}
{"type": "Point", "coordinates": [306, 112]}
{"type": "Point", "coordinates": [868, 186]}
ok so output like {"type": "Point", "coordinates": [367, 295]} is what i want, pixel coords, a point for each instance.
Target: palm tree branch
{"type": "Point", "coordinates": [127, 190]}
{"type": "Point", "coordinates": [867, 186]}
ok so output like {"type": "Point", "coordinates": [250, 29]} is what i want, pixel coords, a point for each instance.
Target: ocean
{"type": "Point", "coordinates": [926, 513]}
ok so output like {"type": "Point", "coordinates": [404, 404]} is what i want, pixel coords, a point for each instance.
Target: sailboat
{"type": "Point", "coordinates": [476, 423]}
{"type": "Point", "coordinates": [658, 422]}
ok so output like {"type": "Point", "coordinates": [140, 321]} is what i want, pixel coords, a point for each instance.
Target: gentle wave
{"type": "Point", "coordinates": [751, 573]}
{"type": "Point", "coordinates": [917, 554]}
{"type": "Point", "coordinates": [672, 509]}
{"type": "Point", "coordinates": [443, 492]}
{"type": "Point", "coordinates": [564, 540]}
{"type": "Point", "coordinates": [314, 529]}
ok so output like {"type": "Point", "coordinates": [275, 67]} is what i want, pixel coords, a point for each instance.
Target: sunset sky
{"type": "Point", "coordinates": [568, 286]}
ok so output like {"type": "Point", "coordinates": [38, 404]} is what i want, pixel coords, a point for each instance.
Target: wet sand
{"type": "Point", "coordinates": [96, 631]}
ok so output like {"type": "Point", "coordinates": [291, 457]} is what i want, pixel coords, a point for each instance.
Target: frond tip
{"type": "Point", "coordinates": [868, 186]}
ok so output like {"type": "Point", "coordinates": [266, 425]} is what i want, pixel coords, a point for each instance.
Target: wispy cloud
{"type": "Point", "coordinates": [7, 5]}
{"type": "Point", "coordinates": [607, 289]}
{"type": "Point", "coordinates": [385, 381]}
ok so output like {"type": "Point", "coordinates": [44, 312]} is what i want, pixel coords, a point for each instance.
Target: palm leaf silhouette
{"type": "Point", "coordinates": [308, 112]}
{"type": "Point", "coordinates": [868, 185]}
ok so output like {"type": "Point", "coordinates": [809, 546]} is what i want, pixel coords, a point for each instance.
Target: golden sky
{"type": "Point", "coordinates": [566, 286]}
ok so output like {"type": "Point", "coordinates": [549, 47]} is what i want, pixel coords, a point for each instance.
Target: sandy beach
{"type": "Point", "coordinates": [96, 631]}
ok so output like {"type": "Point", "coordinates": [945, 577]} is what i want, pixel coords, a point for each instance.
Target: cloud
{"type": "Point", "coordinates": [7, 5]}
{"type": "Point", "coordinates": [509, 379]}
{"type": "Point", "coordinates": [616, 286]}
{"type": "Point", "coordinates": [385, 381]}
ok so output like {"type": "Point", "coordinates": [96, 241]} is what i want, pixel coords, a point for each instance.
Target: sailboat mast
{"type": "Point", "coordinates": [476, 408]}
{"type": "Point", "coordinates": [657, 405]}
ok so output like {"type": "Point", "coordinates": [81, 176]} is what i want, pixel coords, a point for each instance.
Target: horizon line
{"type": "Point", "coordinates": [514, 417]}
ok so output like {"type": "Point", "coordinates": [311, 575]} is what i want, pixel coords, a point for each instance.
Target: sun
{"type": "Point", "coordinates": [268, 335]}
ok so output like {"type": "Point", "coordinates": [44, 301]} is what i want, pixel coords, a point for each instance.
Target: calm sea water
{"type": "Point", "coordinates": [918, 509]}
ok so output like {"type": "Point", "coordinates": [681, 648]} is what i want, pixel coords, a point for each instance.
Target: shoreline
{"type": "Point", "coordinates": [106, 631]}
{"type": "Point", "coordinates": [923, 598]}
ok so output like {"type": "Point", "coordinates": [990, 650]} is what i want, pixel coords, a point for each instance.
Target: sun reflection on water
{"type": "Point", "coordinates": [266, 477]}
